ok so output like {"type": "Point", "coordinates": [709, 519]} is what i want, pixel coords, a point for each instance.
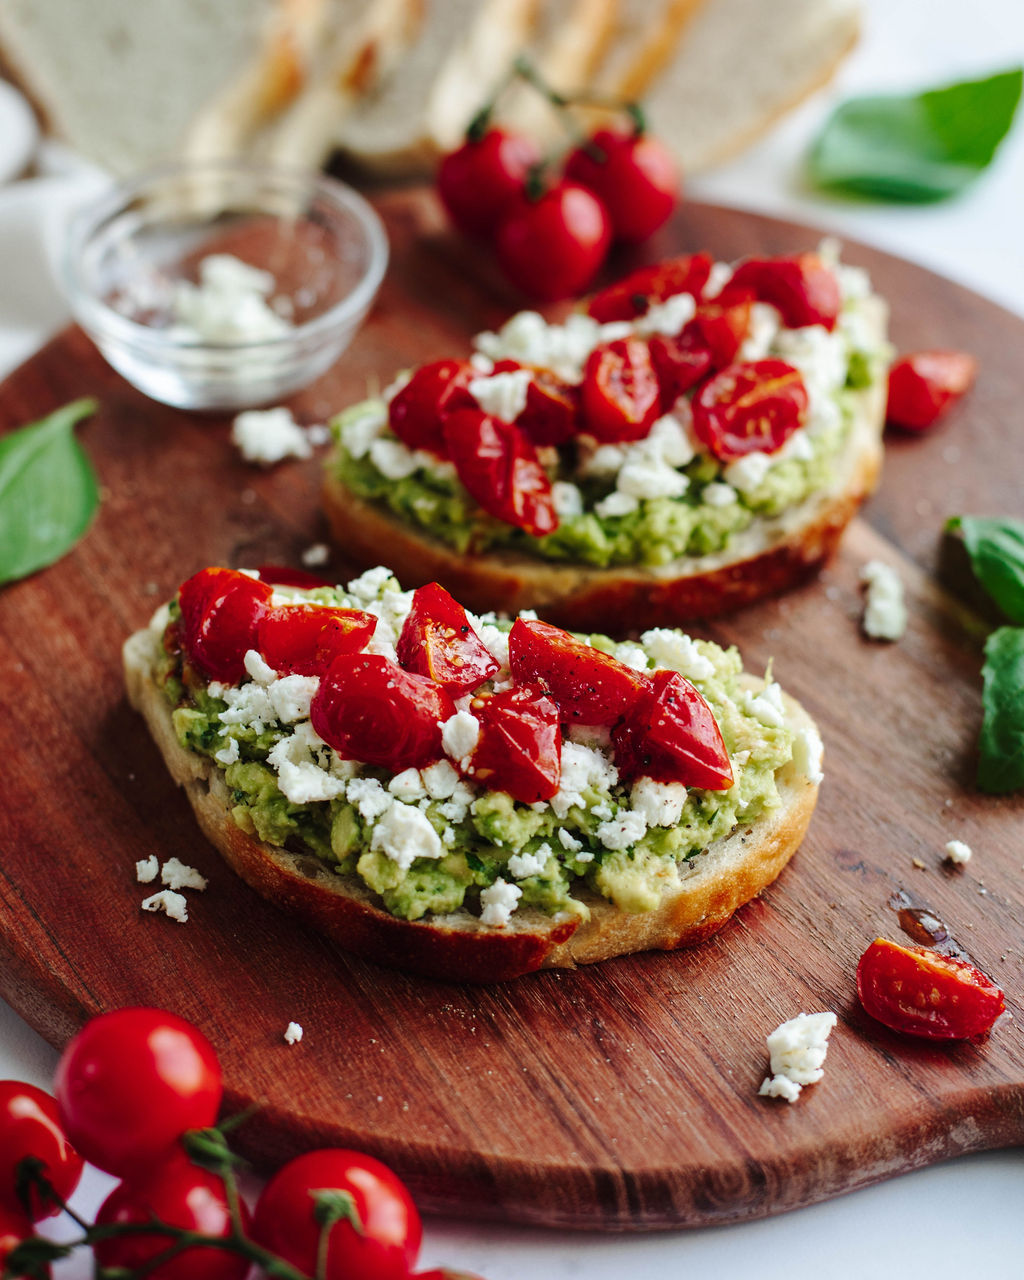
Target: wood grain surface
{"type": "Point", "coordinates": [623, 1096]}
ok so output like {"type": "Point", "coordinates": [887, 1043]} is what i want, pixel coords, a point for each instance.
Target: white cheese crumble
{"type": "Point", "coordinates": [503, 395]}
{"type": "Point", "coordinates": [257, 668]}
{"type": "Point", "coordinates": [523, 865]}
{"type": "Point", "coordinates": [292, 696]}
{"type": "Point", "coordinates": [568, 841]}
{"type": "Point", "coordinates": [765, 322]}
{"type": "Point", "coordinates": [666, 317]}
{"type": "Point", "coordinates": [748, 473]}
{"type": "Point", "coordinates": [567, 498]}
{"type": "Point", "coordinates": [147, 870]}
{"type": "Point", "coordinates": [459, 736]}
{"type": "Point", "coordinates": [300, 774]}
{"type": "Point", "coordinates": [717, 494]}
{"type": "Point", "coordinates": [440, 780]}
{"type": "Point", "coordinates": [885, 611]}
{"type": "Point", "coordinates": [957, 852]}
{"type": "Point", "coordinates": [808, 752]}
{"type": "Point", "coordinates": [766, 706]}
{"type": "Point", "coordinates": [659, 803]}
{"type": "Point", "coordinates": [582, 768]}
{"type": "Point", "coordinates": [177, 875]}
{"type": "Point", "coordinates": [368, 797]}
{"type": "Point", "coordinates": [316, 554]}
{"type": "Point", "coordinates": [407, 785]}
{"type": "Point", "coordinates": [228, 305]}
{"type": "Point", "coordinates": [797, 1052]}
{"type": "Point", "coordinates": [678, 652]}
{"type": "Point", "coordinates": [622, 831]}
{"type": "Point", "coordinates": [292, 1033]}
{"type": "Point", "coordinates": [616, 504]}
{"type": "Point", "coordinates": [499, 900]}
{"type": "Point", "coordinates": [266, 436]}
{"type": "Point", "coordinates": [361, 426]}
{"type": "Point", "coordinates": [170, 903]}
{"type": "Point", "coordinates": [228, 754]}
{"type": "Point", "coordinates": [403, 834]}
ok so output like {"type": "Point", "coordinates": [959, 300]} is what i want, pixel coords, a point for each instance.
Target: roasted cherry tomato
{"type": "Point", "coordinates": [438, 641]}
{"type": "Point", "coordinates": [499, 467]}
{"type": "Point", "coordinates": [588, 686]}
{"type": "Point", "coordinates": [477, 181]}
{"type": "Point", "coordinates": [131, 1083]}
{"type": "Point", "coordinates": [552, 409]}
{"type": "Point", "coordinates": [923, 993]}
{"type": "Point", "coordinates": [520, 744]}
{"type": "Point", "coordinates": [180, 1194]}
{"type": "Point", "coordinates": [803, 289]}
{"type": "Point", "coordinates": [719, 330]}
{"type": "Point", "coordinates": [417, 412]}
{"type": "Point", "coordinates": [671, 735]}
{"type": "Point", "coordinates": [29, 1126]}
{"type": "Point", "coordinates": [367, 708]}
{"type": "Point", "coordinates": [748, 408]}
{"type": "Point", "coordinates": [552, 247]}
{"type": "Point", "coordinates": [621, 397]}
{"type": "Point", "coordinates": [633, 174]}
{"type": "Point", "coordinates": [678, 366]}
{"type": "Point", "coordinates": [304, 639]}
{"type": "Point", "coordinates": [633, 295]}
{"type": "Point", "coordinates": [220, 615]}
{"type": "Point", "coordinates": [922, 386]}
{"type": "Point", "coordinates": [377, 1239]}
{"type": "Point", "coordinates": [280, 575]}
{"type": "Point", "coordinates": [15, 1228]}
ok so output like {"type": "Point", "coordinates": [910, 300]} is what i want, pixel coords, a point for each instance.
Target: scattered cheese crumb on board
{"type": "Point", "coordinates": [797, 1052]}
{"type": "Point", "coordinates": [170, 903]}
{"type": "Point", "coordinates": [292, 1033]}
{"type": "Point", "coordinates": [957, 852]}
{"type": "Point", "coordinates": [147, 869]}
{"type": "Point", "coordinates": [885, 611]}
{"type": "Point", "coordinates": [176, 875]}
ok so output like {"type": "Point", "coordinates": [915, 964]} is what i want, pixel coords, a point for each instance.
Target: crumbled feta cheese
{"type": "Point", "coordinates": [808, 752]}
{"type": "Point", "coordinates": [764, 325]}
{"type": "Point", "coordinates": [300, 775]}
{"type": "Point", "coordinates": [404, 834]}
{"type": "Point", "coordinates": [632, 655]}
{"type": "Point", "coordinates": [616, 504]}
{"type": "Point", "coordinates": [583, 768]}
{"type": "Point", "coordinates": [317, 554]}
{"type": "Point", "coordinates": [292, 696]}
{"type": "Point", "coordinates": [567, 499]}
{"type": "Point", "coordinates": [170, 903]}
{"type": "Point", "coordinates": [292, 1033]}
{"type": "Point", "coordinates": [499, 900]}
{"type": "Point", "coordinates": [596, 736]}
{"type": "Point", "coordinates": [248, 705]}
{"type": "Point", "coordinates": [568, 841]}
{"type": "Point", "coordinates": [523, 865]}
{"type": "Point", "coordinates": [228, 305]}
{"type": "Point", "coordinates": [368, 797]}
{"type": "Point", "coordinates": [958, 852]}
{"type": "Point", "coordinates": [440, 780]}
{"type": "Point", "coordinates": [717, 494]}
{"type": "Point", "coordinates": [659, 803]}
{"type": "Point", "coordinates": [407, 785]}
{"type": "Point", "coordinates": [258, 669]}
{"type": "Point", "coordinates": [369, 586]}
{"type": "Point", "coordinates": [666, 317]}
{"type": "Point", "coordinates": [495, 641]}
{"type": "Point", "coordinates": [394, 461]}
{"type": "Point", "coordinates": [623, 830]}
{"type": "Point", "coordinates": [797, 1052]}
{"type": "Point", "coordinates": [670, 435]}
{"type": "Point", "coordinates": [460, 734]}
{"type": "Point", "coordinates": [361, 426]}
{"type": "Point", "coordinates": [678, 652]}
{"type": "Point", "coordinates": [503, 395]}
{"type": "Point", "coordinates": [748, 473]}
{"type": "Point", "coordinates": [228, 754]}
{"type": "Point", "coordinates": [177, 875]}
{"type": "Point", "coordinates": [885, 612]}
{"type": "Point", "coordinates": [266, 436]}
{"type": "Point", "coordinates": [798, 448]}
{"type": "Point", "coordinates": [766, 706]}
{"type": "Point", "coordinates": [819, 356]}
{"type": "Point", "coordinates": [605, 460]}
{"type": "Point", "coordinates": [718, 277]}
{"type": "Point", "coordinates": [147, 870]}
{"type": "Point", "coordinates": [645, 474]}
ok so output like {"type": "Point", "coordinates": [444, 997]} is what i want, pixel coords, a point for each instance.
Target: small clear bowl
{"type": "Point", "coordinates": [134, 255]}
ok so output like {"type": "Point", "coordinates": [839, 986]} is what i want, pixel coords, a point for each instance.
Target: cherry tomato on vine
{"type": "Point", "coordinates": [29, 1126]}
{"type": "Point", "coordinates": [304, 639]}
{"type": "Point", "coordinates": [417, 412]}
{"type": "Point", "coordinates": [634, 175]}
{"type": "Point", "coordinates": [633, 294]}
{"type": "Point", "coordinates": [220, 613]}
{"type": "Point", "coordinates": [131, 1083]}
{"type": "Point", "coordinates": [552, 247]}
{"type": "Point", "coordinates": [180, 1194]}
{"type": "Point", "coordinates": [588, 686]}
{"type": "Point", "coordinates": [438, 641]}
{"type": "Point", "coordinates": [670, 734]}
{"type": "Point", "coordinates": [499, 467]}
{"type": "Point", "coordinates": [747, 408]}
{"type": "Point", "coordinates": [922, 387]}
{"type": "Point", "coordinates": [477, 181]}
{"type": "Point", "coordinates": [377, 1239]}
{"type": "Point", "coordinates": [621, 396]}
{"type": "Point", "coordinates": [803, 289]}
{"type": "Point", "coordinates": [923, 993]}
{"type": "Point", "coordinates": [15, 1228]}
{"type": "Point", "coordinates": [520, 745]}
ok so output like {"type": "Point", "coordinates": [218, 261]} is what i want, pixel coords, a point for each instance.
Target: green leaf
{"type": "Point", "coordinates": [996, 550]}
{"type": "Point", "coordinates": [1001, 766]}
{"type": "Point", "coordinates": [925, 146]}
{"type": "Point", "coordinates": [48, 491]}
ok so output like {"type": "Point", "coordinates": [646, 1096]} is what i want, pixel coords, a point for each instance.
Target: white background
{"type": "Point", "coordinates": [965, 1215]}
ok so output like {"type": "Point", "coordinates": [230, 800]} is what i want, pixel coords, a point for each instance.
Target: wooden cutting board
{"type": "Point", "coordinates": [623, 1096]}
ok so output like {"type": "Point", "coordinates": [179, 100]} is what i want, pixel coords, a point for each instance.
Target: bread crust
{"type": "Point", "coordinates": [459, 947]}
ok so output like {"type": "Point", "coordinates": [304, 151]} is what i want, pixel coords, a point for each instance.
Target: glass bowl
{"type": "Point", "coordinates": [154, 275]}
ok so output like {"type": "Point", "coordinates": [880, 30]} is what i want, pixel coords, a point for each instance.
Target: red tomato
{"type": "Point", "coordinates": [520, 745]}
{"type": "Point", "coordinates": [437, 641]}
{"type": "Point", "coordinates": [718, 329]}
{"type": "Point", "coordinates": [131, 1083]}
{"type": "Point", "coordinates": [635, 177]}
{"type": "Point", "coordinates": [923, 993]}
{"type": "Point", "coordinates": [443, 1273]}
{"type": "Point", "coordinates": [922, 386]}
{"type": "Point", "coordinates": [181, 1195]}
{"type": "Point", "coordinates": [678, 365]}
{"type": "Point", "coordinates": [552, 247]}
{"type": "Point", "coordinates": [552, 409]}
{"type": "Point", "coordinates": [802, 287]}
{"type": "Point", "coordinates": [280, 575]}
{"type": "Point", "coordinates": [220, 613]}
{"type": "Point", "coordinates": [748, 408]}
{"type": "Point", "coordinates": [633, 295]}
{"type": "Point", "coordinates": [671, 735]}
{"type": "Point", "coordinates": [304, 639]}
{"type": "Point", "coordinates": [416, 414]}
{"type": "Point", "coordinates": [590, 687]}
{"type": "Point", "coordinates": [477, 181]}
{"type": "Point", "coordinates": [499, 467]}
{"type": "Point", "coordinates": [367, 708]}
{"type": "Point", "coordinates": [14, 1229]}
{"type": "Point", "coordinates": [29, 1127]}
{"type": "Point", "coordinates": [381, 1244]}
{"type": "Point", "coordinates": [621, 396]}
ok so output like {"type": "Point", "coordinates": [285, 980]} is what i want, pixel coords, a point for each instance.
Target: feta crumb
{"type": "Point", "coordinates": [499, 900]}
{"type": "Point", "coordinates": [568, 841]}
{"type": "Point", "coordinates": [606, 460]}
{"type": "Point", "coordinates": [460, 734]}
{"type": "Point", "coordinates": [228, 305]}
{"type": "Point", "coordinates": [300, 775]}
{"type": "Point", "coordinates": [170, 903]}
{"type": "Point", "coordinates": [667, 317]}
{"type": "Point", "coordinates": [522, 865]}
{"type": "Point", "coordinates": [292, 696]}
{"type": "Point", "coordinates": [317, 554]}
{"type": "Point", "coordinates": [748, 472]}
{"type": "Point", "coordinates": [808, 752]}
{"type": "Point", "coordinates": [404, 834]}
{"type": "Point", "coordinates": [228, 754]}
{"type": "Point", "coordinates": [147, 870]}
{"type": "Point", "coordinates": [503, 395]}
{"type": "Point", "coordinates": [957, 852]}
{"type": "Point", "coordinates": [616, 504]}
{"type": "Point", "coordinates": [632, 655]}
{"type": "Point", "coordinates": [885, 612]}
{"type": "Point", "coordinates": [361, 426]}
{"type": "Point", "coordinates": [266, 436]}
{"type": "Point", "coordinates": [368, 797]}
{"type": "Point", "coordinates": [583, 769]}
{"type": "Point", "coordinates": [257, 669]}
{"type": "Point", "coordinates": [677, 652]}
{"type": "Point", "coordinates": [407, 785]}
{"type": "Point", "coordinates": [369, 586]}
{"type": "Point", "coordinates": [177, 875]}
{"type": "Point", "coordinates": [623, 830]}
{"type": "Point", "coordinates": [292, 1033]}
{"type": "Point", "coordinates": [659, 803]}
{"type": "Point", "coordinates": [567, 498]}
{"type": "Point", "coordinates": [797, 1052]}
{"type": "Point", "coordinates": [717, 494]}
{"type": "Point", "coordinates": [440, 780]}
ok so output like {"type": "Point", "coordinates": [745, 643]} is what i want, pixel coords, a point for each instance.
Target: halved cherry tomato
{"type": "Point", "coordinates": [499, 467]}
{"type": "Point", "coordinates": [588, 686]}
{"type": "Point", "coordinates": [803, 289]}
{"type": "Point", "coordinates": [621, 397]}
{"type": "Point", "coordinates": [718, 329]}
{"type": "Point", "coordinates": [29, 1126]}
{"type": "Point", "coordinates": [304, 639]}
{"type": "Point", "coordinates": [749, 407]}
{"type": "Point", "coordinates": [678, 365]}
{"type": "Point", "coordinates": [552, 247]}
{"type": "Point", "coordinates": [633, 295]}
{"type": "Point", "coordinates": [438, 641]}
{"type": "Point", "coordinates": [923, 993]}
{"type": "Point", "coordinates": [367, 708]}
{"type": "Point", "coordinates": [552, 409]}
{"type": "Point", "coordinates": [14, 1229]}
{"type": "Point", "coordinates": [670, 734]}
{"type": "Point", "coordinates": [417, 412]}
{"type": "Point", "coordinates": [922, 386]}
{"type": "Point", "coordinates": [635, 176]}
{"type": "Point", "coordinates": [477, 181]}
{"type": "Point", "coordinates": [520, 744]}
{"type": "Point", "coordinates": [280, 575]}
{"type": "Point", "coordinates": [220, 615]}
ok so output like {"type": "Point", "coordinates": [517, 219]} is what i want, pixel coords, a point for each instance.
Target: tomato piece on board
{"type": "Point", "coordinates": [438, 641]}
{"type": "Point", "coordinates": [304, 639]}
{"type": "Point", "coordinates": [30, 1126]}
{"type": "Point", "coordinates": [368, 708]}
{"type": "Point", "coordinates": [520, 745]}
{"type": "Point", "coordinates": [552, 409]}
{"type": "Point", "coordinates": [499, 467]}
{"type": "Point", "coordinates": [633, 295]}
{"type": "Point", "coordinates": [803, 289]}
{"type": "Point", "coordinates": [621, 395]}
{"type": "Point", "coordinates": [477, 181]}
{"type": "Point", "coordinates": [417, 412]}
{"type": "Point", "coordinates": [280, 575]}
{"type": "Point", "coordinates": [552, 247]}
{"type": "Point", "coordinates": [924, 993]}
{"type": "Point", "coordinates": [670, 734]}
{"type": "Point", "coordinates": [220, 616]}
{"type": "Point", "coordinates": [748, 408]}
{"type": "Point", "coordinates": [922, 386]}
{"type": "Point", "coordinates": [634, 175]}
{"type": "Point", "coordinates": [588, 686]}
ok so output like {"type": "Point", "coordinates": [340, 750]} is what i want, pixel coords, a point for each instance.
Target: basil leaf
{"type": "Point", "coordinates": [48, 491]}
{"type": "Point", "coordinates": [996, 549]}
{"type": "Point", "coordinates": [1001, 766]}
{"type": "Point", "coordinates": [920, 147]}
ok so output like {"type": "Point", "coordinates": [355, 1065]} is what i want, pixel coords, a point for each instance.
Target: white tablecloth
{"type": "Point", "coordinates": [964, 1216]}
